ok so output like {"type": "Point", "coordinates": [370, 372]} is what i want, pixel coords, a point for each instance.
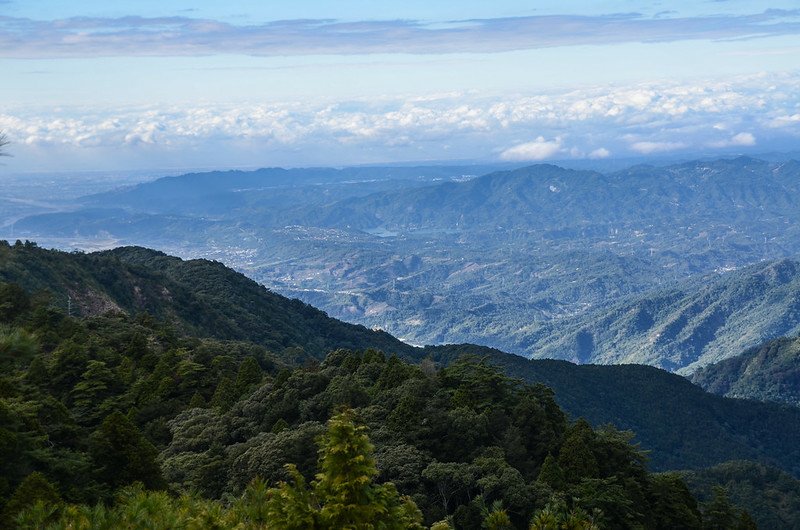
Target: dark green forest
{"type": "Point", "coordinates": [771, 496]}
{"type": "Point", "coordinates": [91, 406]}
{"type": "Point", "coordinates": [127, 416]}
{"type": "Point", "coordinates": [769, 372]}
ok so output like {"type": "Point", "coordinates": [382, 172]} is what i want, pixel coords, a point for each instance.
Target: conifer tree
{"type": "Point", "coordinates": [37, 372]}
{"type": "Point", "coordinates": [496, 518]}
{"type": "Point", "coordinates": [123, 455]}
{"type": "Point", "coordinates": [35, 488]}
{"type": "Point", "coordinates": [576, 457]}
{"type": "Point", "coordinates": [344, 494]}
{"type": "Point", "coordinates": [551, 473]}
{"type": "Point", "coordinates": [248, 376]}
{"type": "Point", "coordinates": [719, 513]}
{"type": "Point", "coordinates": [225, 395]}
{"type": "Point", "coordinates": [197, 401]}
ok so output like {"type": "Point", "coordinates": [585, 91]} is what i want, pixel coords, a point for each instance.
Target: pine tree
{"type": "Point", "coordinates": [248, 376]}
{"type": "Point", "coordinates": [551, 474]}
{"type": "Point", "coordinates": [17, 347]}
{"type": "Point", "coordinates": [719, 513]}
{"type": "Point", "coordinates": [344, 494]}
{"type": "Point", "coordinates": [348, 470]}
{"type": "Point", "coordinates": [197, 401]}
{"type": "Point", "coordinates": [37, 372]}
{"type": "Point", "coordinates": [280, 425]}
{"type": "Point", "coordinates": [225, 395]}
{"type": "Point", "coordinates": [496, 518]}
{"type": "Point", "coordinates": [576, 457]}
{"type": "Point", "coordinates": [92, 389]}
{"type": "Point", "coordinates": [556, 515]}
{"type": "Point", "coordinates": [34, 488]}
{"type": "Point", "coordinates": [123, 455]}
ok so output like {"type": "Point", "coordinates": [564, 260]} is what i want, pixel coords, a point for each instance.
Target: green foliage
{"type": "Point", "coordinates": [225, 395]}
{"type": "Point", "coordinates": [644, 399]}
{"type": "Point", "coordinates": [770, 496]}
{"type": "Point", "coordinates": [35, 488]}
{"type": "Point", "coordinates": [769, 372]}
{"type": "Point", "coordinates": [720, 514]}
{"type": "Point", "coordinates": [673, 504]}
{"type": "Point", "coordinates": [576, 458]}
{"type": "Point", "coordinates": [136, 508]}
{"type": "Point", "coordinates": [496, 518]}
{"type": "Point", "coordinates": [17, 347]}
{"type": "Point", "coordinates": [199, 297]}
{"type": "Point", "coordinates": [111, 400]}
{"type": "Point", "coordinates": [557, 516]}
{"type": "Point", "coordinates": [344, 495]}
{"type": "Point", "coordinates": [197, 401]}
{"type": "Point", "coordinates": [14, 301]}
{"type": "Point", "coordinates": [551, 474]}
{"type": "Point", "coordinates": [123, 456]}
{"type": "Point", "coordinates": [344, 490]}
{"type": "Point", "coordinates": [172, 298]}
{"type": "Point", "coordinates": [248, 376]}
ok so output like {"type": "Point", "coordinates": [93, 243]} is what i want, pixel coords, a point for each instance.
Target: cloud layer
{"type": "Point", "coordinates": [184, 36]}
{"type": "Point", "coordinates": [646, 119]}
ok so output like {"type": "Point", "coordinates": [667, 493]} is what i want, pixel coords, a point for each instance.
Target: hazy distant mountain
{"type": "Point", "coordinates": [540, 261]}
{"type": "Point", "coordinates": [768, 372]}
{"type": "Point", "coordinates": [546, 197]}
{"type": "Point", "coordinates": [225, 191]}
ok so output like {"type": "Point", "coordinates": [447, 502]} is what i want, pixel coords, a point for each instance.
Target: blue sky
{"type": "Point", "coordinates": [146, 84]}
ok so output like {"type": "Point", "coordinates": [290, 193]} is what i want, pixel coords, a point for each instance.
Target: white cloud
{"type": "Point", "coordinates": [742, 139]}
{"type": "Point", "coordinates": [645, 118]}
{"type": "Point", "coordinates": [648, 148]}
{"type": "Point", "coordinates": [599, 153]}
{"type": "Point", "coordinates": [785, 121]}
{"type": "Point", "coordinates": [539, 149]}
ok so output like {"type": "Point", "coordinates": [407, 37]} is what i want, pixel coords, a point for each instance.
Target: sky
{"type": "Point", "coordinates": [116, 85]}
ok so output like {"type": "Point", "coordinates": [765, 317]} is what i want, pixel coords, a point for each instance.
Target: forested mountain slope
{"type": "Point", "coordinates": [771, 496]}
{"type": "Point", "coordinates": [90, 406]}
{"type": "Point", "coordinates": [677, 422]}
{"type": "Point", "coordinates": [683, 327]}
{"type": "Point", "coordinates": [200, 297]}
{"type": "Point", "coordinates": [767, 372]}
{"type": "Point", "coordinates": [191, 293]}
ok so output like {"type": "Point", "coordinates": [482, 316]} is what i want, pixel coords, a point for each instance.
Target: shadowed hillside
{"type": "Point", "coordinates": [768, 372]}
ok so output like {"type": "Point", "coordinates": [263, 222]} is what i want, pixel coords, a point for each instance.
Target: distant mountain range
{"type": "Point", "coordinates": [648, 264]}
{"type": "Point", "coordinates": [227, 191]}
{"type": "Point", "coordinates": [699, 196]}
{"type": "Point", "coordinates": [682, 425]}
